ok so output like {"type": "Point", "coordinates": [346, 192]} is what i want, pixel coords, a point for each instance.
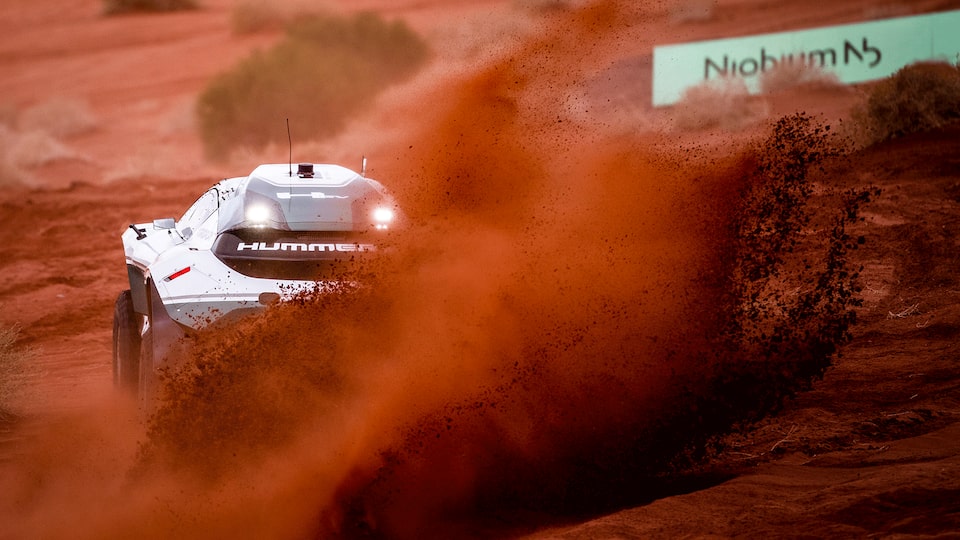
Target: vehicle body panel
{"type": "Point", "coordinates": [193, 283]}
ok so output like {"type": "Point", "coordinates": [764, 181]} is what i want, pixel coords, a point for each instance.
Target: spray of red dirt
{"type": "Point", "coordinates": [548, 307]}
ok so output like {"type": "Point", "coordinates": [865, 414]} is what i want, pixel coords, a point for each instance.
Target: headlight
{"type": "Point", "coordinates": [258, 214]}
{"type": "Point", "coordinates": [382, 216]}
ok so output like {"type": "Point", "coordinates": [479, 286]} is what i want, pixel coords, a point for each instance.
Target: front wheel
{"type": "Point", "coordinates": [126, 344]}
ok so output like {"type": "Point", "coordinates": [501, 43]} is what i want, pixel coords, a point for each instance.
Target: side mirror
{"type": "Point", "coordinates": [165, 223]}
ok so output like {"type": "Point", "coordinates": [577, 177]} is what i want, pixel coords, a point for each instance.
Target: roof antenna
{"type": "Point", "coordinates": [363, 166]}
{"type": "Point", "coordinates": [290, 146]}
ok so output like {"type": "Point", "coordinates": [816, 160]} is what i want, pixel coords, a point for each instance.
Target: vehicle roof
{"type": "Point", "coordinates": [332, 198]}
{"type": "Point", "coordinates": [285, 174]}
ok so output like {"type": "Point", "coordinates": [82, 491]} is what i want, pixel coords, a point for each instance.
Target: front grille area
{"type": "Point", "coordinates": [306, 256]}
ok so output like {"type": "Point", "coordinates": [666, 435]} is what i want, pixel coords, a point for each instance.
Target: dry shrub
{"type": "Point", "coordinates": [251, 16]}
{"type": "Point", "coordinates": [60, 117]}
{"type": "Point", "coordinates": [324, 71]}
{"type": "Point", "coordinates": [14, 372]}
{"type": "Point", "coordinates": [917, 98]}
{"type": "Point", "coordinates": [116, 7]}
{"type": "Point", "coordinates": [792, 75]}
{"type": "Point", "coordinates": [723, 103]}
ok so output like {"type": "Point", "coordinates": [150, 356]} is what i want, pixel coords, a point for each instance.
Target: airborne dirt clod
{"type": "Point", "coordinates": [581, 319]}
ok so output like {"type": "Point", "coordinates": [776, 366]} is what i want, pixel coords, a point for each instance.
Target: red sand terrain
{"type": "Point", "coordinates": [558, 96]}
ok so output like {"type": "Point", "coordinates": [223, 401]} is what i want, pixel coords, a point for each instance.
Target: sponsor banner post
{"type": "Point", "coordinates": [853, 52]}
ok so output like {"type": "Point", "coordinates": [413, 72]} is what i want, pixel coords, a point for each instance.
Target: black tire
{"type": "Point", "coordinates": [126, 344]}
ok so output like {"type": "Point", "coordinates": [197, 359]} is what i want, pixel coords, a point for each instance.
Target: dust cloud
{"type": "Point", "coordinates": [547, 306]}
{"type": "Point", "coordinates": [539, 337]}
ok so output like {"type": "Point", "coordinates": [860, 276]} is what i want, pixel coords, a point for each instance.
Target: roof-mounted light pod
{"type": "Point", "coordinates": [305, 170]}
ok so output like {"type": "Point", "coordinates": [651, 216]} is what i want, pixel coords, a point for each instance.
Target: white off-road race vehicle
{"type": "Point", "coordinates": [244, 244]}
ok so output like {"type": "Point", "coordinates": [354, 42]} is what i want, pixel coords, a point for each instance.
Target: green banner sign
{"type": "Point", "coordinates": [854, 52]}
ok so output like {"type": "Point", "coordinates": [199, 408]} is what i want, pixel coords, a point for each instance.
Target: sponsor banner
{"type": "Point", "coordinates": [854, 52]}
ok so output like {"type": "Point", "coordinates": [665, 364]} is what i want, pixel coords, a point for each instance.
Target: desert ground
{"type": "Point", "coordinates": [871, 450]}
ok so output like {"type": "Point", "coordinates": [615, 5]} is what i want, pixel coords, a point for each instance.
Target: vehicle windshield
{"type": "Point", "coordinates": [200, 210]}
